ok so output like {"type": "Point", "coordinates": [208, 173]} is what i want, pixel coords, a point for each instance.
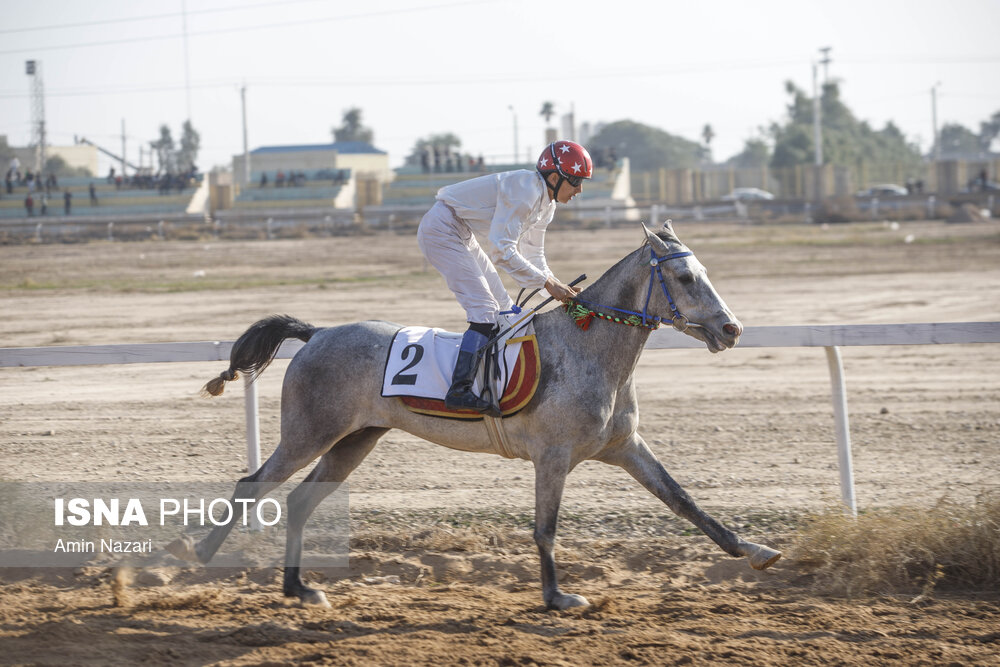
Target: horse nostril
{"type": "Point", "coordinates": [733, 329]}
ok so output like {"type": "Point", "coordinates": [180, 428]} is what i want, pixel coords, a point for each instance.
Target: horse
{"type": "Point", "coordinates": [584, 407]}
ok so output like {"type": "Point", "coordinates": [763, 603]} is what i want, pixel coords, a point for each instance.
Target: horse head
{"type": "Point", "coordinates": [681, 289]}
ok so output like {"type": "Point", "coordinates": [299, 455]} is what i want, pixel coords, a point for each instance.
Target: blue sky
{"type": "Point", "coordinates": [422, 67]}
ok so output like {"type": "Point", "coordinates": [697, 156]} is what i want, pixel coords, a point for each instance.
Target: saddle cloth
{"type": "Point", "coordinates": [419, 367]}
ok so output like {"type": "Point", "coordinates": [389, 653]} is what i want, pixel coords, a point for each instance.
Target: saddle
{"type": "Point", "coordinates": [420, 362]}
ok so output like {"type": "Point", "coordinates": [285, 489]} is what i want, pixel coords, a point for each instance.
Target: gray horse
{"type": "Point", "coordinates": [584, 408]}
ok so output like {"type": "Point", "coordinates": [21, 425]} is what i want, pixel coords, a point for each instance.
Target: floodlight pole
{"type": "Point", "coordinates": [33, 68]}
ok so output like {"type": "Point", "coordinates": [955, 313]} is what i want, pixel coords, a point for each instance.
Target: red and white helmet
{"type": "Point", "coordinates": [568, 159]}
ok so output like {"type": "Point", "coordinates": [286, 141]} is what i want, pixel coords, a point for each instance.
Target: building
{"type": "Point", "coordinates": [359, 157]}
{"type": "Point", "coordinates": [76, 157]}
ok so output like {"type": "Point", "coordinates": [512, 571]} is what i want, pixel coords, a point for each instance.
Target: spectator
{"type": "Point", "coordinates": [263, 179]}
{"type": "Point", "coordinates": [93, 195]}
{"type": "Point", "coordinates": [29, 205]}
{"type": "Point", "coordinates": [45, 204]}
{"type": "Point", "coordinates": [67, 201]}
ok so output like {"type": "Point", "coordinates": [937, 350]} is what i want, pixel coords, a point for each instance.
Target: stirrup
{"type": "Point", "coordinates": [463, 398]}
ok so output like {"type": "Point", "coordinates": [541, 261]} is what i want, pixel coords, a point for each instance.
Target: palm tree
{"type": "Point", "coordinates": [547, 112]}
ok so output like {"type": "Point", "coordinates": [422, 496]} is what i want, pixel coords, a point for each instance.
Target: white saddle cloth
{"type": "Point", "coordinates": [421, 362]}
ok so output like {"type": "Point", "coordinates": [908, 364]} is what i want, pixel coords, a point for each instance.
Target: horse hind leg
{"type": "Point", "coordinates": [333, 467]}
{"type": "Point", "coordinates": [282, 464]}
{"type": "Point", "coordinates": [637, 460]}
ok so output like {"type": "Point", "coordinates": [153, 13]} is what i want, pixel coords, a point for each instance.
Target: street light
{"type": "Point", "coordinates": [937, 141]}
{"type": "Point", "coordinates": [514, 114]}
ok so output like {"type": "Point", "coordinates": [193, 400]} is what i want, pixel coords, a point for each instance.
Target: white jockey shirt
{"type": "Point", "coordinates": [511, 210]}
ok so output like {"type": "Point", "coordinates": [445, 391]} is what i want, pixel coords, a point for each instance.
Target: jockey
{"type": "Point", "coordinates": [510, 210]}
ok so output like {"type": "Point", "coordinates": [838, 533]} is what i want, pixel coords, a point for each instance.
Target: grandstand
{"type": "Point", "coordinates": [112, 201]}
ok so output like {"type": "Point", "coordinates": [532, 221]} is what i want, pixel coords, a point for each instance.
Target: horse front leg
{"type": "Point", "coordinates": [635, 457]}
{"type": "Point", "coordinates": [550, 478]}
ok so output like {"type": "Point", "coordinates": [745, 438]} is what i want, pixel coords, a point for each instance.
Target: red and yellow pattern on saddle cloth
{"type": "Point", "coordinates": [520, 389]}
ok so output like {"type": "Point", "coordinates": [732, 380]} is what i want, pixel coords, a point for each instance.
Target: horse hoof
{"type": "Point", "coordinates": [314, 598]}
{"type": "Point", "coordinates": [183, 548]}
{"type": "Point", "coordinates": [762, 557]}
{"type": "Point", "coordinates": [563, 601]}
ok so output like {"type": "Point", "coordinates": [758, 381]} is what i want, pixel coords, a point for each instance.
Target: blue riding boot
{"type": "Point", "coordinates": [460, 396]}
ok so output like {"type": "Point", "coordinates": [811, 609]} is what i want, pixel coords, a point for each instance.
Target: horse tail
{"type": "Point", "coordinates": [255, 349]}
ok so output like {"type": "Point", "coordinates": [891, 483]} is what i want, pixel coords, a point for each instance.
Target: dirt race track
{"type": "Point", "coordinates": [443, 569]}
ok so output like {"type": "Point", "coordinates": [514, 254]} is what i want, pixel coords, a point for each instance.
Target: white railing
{"type": "Point", "coordinates": [829, 337]}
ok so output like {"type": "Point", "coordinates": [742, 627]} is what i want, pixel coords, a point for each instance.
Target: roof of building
{"type": "Point", "coordinates": [339, 146]}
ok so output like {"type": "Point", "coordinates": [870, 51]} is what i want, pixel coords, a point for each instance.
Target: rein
{"type": "Point", "coordinates": [583, 312]}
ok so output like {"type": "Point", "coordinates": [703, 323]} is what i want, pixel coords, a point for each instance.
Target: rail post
{"type": "Point", "coordinates": [842, 428]}
{"type": "Point", "coordinates": [250, 405]}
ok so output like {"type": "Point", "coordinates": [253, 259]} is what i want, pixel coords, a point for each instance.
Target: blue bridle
{"type": "Point", "coordinates": [677, 320]}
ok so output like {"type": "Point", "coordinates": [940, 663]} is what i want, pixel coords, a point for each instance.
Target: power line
{"type": "Point", "coordinates": [410, 81]}
{"type": "Point", "coordinates": [267, 26]}
{"type": "Point", "coordinates": [153, 17]}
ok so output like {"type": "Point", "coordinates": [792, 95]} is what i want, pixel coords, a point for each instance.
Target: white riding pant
{"type": "Point", "coordinates": [451, 248]}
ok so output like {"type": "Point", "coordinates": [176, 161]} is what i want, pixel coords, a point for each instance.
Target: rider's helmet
{"type": "Point", "coordinates": [568, 159]}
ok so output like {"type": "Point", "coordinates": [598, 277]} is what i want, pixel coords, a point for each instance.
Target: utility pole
{"type": "Point", "coordinates": [187, 67]}
{"type": "Point", "coordinates": [817, 119]}
{"type": "Point", "coordinates": [246, 149]}
{"type": "Point", "coordinates": [514, 113]}
{"type": "Point", "coordinates": [817, 136]}
{"type": "Point", "coordinates": [123, 148]}
{"type": "Point", "coordinates": [33, 68]}
{"type": "Point", "coordinates": [826, 63]}
{"type": "Point", "coordinates": [937, 139]}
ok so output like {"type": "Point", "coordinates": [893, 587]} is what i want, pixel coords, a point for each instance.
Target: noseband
{"type": "Point", "coordinates": [583, 311]}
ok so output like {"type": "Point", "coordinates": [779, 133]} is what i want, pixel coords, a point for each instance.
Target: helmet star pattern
{"type": "Point", "coordinates": [566, 158]}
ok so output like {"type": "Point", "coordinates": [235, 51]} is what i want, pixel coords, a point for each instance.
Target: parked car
{"type": "Point", "coordinates": [989, 187]}
{"type": "Point", "coordinates": [747, 194]}
{"type": "Point", "coordinates": [883, 190]}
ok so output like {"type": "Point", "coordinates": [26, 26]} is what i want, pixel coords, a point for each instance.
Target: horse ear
{"type": "Point", "coordinates": [655, 242]}
{"type": "Point", "coordinates": [645, 229]}
{"type": "Point", "coordinates": [668, 225]}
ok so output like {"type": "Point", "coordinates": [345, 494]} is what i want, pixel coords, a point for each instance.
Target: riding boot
{"type": "Point", "coordinates": [460, 395]}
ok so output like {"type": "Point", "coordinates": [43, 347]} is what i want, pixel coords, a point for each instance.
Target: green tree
{"type": "Point", "coordinates": [988, 131]}
{"type": "Point", "coordinates": [6, 153]}
{"type": "Point", "coordinates": [756, 153]}
{"type": "Point", "coordinates": [443, 142]}
{"type": "Point", "coordinates": [164, 149]}
{"type": "Point", "coordinates": [352, 128]}
{"type": "Point", "coordinates": [58, 166]}
{"type": "Point", "coordinates": [547, 112]}
{"type": "Point", "coordinates": [846, 140]}
{"type": "Point", "coordinates": [190, 143]}
{"type": "Point", "coordinates": [646, 147]}
{"type": "Point", "coordinates": [958, 141]}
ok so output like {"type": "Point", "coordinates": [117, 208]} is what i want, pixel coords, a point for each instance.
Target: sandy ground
{"type": "Point", "coordinates": [749, 433]}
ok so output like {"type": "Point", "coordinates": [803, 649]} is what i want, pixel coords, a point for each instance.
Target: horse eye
{"type": "Point", "coordinates": [686, 278]}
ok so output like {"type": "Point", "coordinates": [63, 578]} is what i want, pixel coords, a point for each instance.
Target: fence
{"type": "Point", "coordinates": [804, 181]}
{"type": "Point", "coordinates": [829, 337]}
